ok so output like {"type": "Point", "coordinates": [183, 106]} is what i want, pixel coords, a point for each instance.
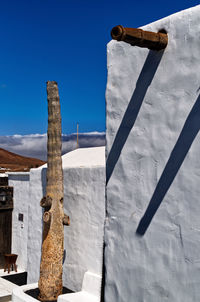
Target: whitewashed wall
{"type": "Point", "coordinates": [20, 183]}
{"type": "Point", "coordinates": [153, 167]}
{"type": "Point", "coordinates": [84, 202]}
{"type": "Point", "coordinates": [35, 213]}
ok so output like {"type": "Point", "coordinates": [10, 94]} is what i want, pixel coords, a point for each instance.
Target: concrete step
{"type": "Point", "coordinates": [6, 288]}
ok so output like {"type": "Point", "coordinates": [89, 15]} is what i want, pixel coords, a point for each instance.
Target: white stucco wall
{"type": "Point", "coordinates": [35, 213]}
{"type": "Point", "coordinates": [20, 183]}
{"type": "Point", "coordinates": [153, 122]}
{"type": "Point", "coordinates": [84, 202]}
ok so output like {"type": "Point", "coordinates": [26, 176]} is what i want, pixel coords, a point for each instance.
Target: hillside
{"type": "Point", "coordinates": [13, 162]}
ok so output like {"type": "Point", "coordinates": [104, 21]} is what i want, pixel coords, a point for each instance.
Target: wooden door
{"type": "Point", "coordinates": [5, 234]}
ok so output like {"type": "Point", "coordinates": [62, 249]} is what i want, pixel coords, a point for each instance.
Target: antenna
{"type": "Point", "coordinates": [77, 146]}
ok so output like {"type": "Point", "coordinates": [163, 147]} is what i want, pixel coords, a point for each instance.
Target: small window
{"type": "Point", "coordinates": [3, 197]}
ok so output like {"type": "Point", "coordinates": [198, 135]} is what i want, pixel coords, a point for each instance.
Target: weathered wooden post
{"type": "Point", "coordinates": [50, 282]}
{"type": "Point", "coordinates": [139, 37]}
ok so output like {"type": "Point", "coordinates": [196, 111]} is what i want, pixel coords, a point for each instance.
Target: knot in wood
{"type": "Point", "coordinates": [47, 217]}
{"type": "Point", "coordinates": [46, 201]}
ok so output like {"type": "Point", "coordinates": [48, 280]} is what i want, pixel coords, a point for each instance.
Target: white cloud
{"type": "Point", "coordinates": [35, 145]}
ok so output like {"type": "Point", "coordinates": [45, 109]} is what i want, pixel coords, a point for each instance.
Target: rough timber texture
{"type": "Point", "coordinates": [153, 143]}
{"type": "Point", "coordinates": [84, 201]}
{"type": "Point", "coordinates": [50, 282]}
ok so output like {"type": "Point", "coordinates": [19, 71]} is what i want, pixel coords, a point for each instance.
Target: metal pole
{"type": "Point", "coordinates": [77, 145]}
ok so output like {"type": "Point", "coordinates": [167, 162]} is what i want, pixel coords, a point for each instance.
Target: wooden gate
{"type": "Point", "coordinates": [6, 207]}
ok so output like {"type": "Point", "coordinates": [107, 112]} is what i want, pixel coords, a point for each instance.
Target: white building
{"type": "Point", "coordinates": [152, 225]}
{"type": "Point", "coordinates": [84, 202]}
{"type": "Point", "coordinates": [152, 233]}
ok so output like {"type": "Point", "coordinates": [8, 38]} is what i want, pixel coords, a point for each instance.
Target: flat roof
{"type": "Point", "coordinates": [83, 157]}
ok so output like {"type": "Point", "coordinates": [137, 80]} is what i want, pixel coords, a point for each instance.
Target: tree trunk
{"type": "Point", "coordinates": [50, 282]}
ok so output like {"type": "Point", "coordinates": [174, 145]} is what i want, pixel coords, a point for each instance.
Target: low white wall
{"type": "Point", "coordinates": [20, 183]}
{"type": "Point", "coordinates": [153, 143]}
{"type": "Point", "coordinates": [19, 293]}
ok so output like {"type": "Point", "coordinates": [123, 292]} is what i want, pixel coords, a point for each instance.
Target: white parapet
{"type": "Point", "coordinates": [91, 290]}
{"type": "Point", "coordinates": [6, 288]}
{"type": "Point", "coordinates": [19, 295]}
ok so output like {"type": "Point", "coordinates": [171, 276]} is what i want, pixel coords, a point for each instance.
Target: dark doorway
{"type": "Point", "coordinates": [5, 234]}
{"type": "Point", "coordinates": [6, 207]}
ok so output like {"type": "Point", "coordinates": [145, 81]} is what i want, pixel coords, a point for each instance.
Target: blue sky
{"type": "Point", "coordinates": [65, 41]}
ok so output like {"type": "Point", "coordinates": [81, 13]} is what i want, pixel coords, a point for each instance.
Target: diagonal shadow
{"type": "Point", "coordinates": [145, 78]}
{"type": "Point", "coordinates": [182, 146]}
